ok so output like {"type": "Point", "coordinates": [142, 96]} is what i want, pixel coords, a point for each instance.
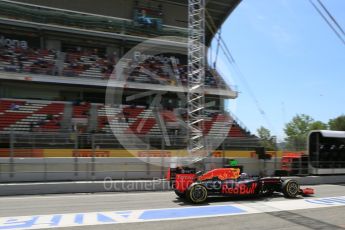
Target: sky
{"type": "Point", "coordinates": [291, 62]}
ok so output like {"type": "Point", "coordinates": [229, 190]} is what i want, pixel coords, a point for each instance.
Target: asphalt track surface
{"type": "Point", "coordinates": [286, 217]}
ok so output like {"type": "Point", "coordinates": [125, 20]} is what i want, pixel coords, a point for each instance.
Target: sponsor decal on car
{"type": "Point", "coordinates": [183, 181]}
{"type": "Point", "coordinates": [239, 189]}
{"type": "Point", "coordinates": [221, 174]}
{"type": "Point", "coordinates": [185, 177]}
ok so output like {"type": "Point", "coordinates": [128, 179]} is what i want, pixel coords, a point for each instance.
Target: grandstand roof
{"type": "Point", "coordinates": [218, 10]}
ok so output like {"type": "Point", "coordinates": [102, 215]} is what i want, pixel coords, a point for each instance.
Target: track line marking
{"type": "Point", "coordinates": [133, 216]}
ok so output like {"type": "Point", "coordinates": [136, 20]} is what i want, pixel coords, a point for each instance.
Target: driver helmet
{"type": "Point", "coordinates": [244, 175]}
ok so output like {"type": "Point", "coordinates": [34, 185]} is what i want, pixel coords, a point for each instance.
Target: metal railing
{"type": "Point", "coordinates": [22, 158]}
{"type": "Point", "coordinates": [49, 140]}
{"type": "Point", "coordinates": [73, 170]}
{"type": "Point", "coordinates": [91, 169]}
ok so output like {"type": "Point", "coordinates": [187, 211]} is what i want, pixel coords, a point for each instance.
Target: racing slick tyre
{"type": "Point", "coordinates": [290, 188]}
{"type": "Point", "coordinates": [196, 193]}
{"type": "Point", "coordinates": [180, 194]}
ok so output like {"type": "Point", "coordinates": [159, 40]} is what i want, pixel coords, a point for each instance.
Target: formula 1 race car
{"type": "Point", "coordinates": [229, 182]}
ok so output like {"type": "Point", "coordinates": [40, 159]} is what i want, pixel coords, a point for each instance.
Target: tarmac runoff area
{"type": "Point", "coordinates": [163, 210]}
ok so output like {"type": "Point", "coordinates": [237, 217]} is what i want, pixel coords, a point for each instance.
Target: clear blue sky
{"type": "Point", "coordinates": [291, 59]}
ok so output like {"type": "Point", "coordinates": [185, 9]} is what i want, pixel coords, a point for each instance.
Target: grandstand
{"type": "Point", "coordinates": [56, 58]}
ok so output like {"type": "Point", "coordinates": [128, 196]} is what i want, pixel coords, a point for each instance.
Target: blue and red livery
{"type": "Point", "coordinates": [197, 187]}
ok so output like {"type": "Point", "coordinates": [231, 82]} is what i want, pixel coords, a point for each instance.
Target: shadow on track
{"type": "Point", "coordinates": [304, 221]}
{"type": "Point", "coordinates": [219, 199]}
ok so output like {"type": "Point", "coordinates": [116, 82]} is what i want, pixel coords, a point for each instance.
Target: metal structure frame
{"type": "Point", "coordinates": [196, 77]}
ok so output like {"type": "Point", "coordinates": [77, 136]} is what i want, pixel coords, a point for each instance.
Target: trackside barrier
{"type": "Point", "coordinates": [107, 185]}
{"type": "Point", "coordinates": [94, 169]}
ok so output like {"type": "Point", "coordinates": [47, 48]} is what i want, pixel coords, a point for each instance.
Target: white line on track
{"type": "Point", "coordinates": [164, 214]}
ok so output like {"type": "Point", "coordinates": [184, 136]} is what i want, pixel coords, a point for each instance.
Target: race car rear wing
{"type": "Point", "coordinates": [181, 177]}
{"type": "Point", "coordinates": [179, 170]}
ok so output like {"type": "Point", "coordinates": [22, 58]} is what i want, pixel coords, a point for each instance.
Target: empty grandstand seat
{"type": "Point", "coordinates": [81, 111]}
{"type": "Point", "coordinates": [30, 115]}
{"type": "Point", "coordinates": [128, 119]}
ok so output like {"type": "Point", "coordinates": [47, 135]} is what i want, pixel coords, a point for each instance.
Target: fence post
{"type": "Point", "coordinates": [163, 158]}
{"type": "Point", "coordinates": [163, 167]}
{"type": "Point", "coordinates": [275, 162]}
{"type": "Point", "coordinates": [93, 157]}
{"type": "Point", "coordinates": [11, 160]}
{"type": "Point", "coordinates": [148, 142]}
{"type": "Point", "coordinates": [45, 169]}
{"type": "Point", "coordinates": [126, 171]}
{"type": "Point", "coordinates": [76, 168]}
{"type": "Point", "coordinates": [275, 154]}
{"type": "Point", "coordinates": [148, 165]}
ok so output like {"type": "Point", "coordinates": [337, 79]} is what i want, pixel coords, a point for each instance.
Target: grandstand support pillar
{"type": "Point", "coordinates": [53, 44]}
{"type": "Point", "coordinates": [196, 77]}
{"type": "Point", "coordinates": [162, 125]}
{"type": "Point", "coordinates": [122, 48]}
{"type": "Point", "coordinates": [42, 40]}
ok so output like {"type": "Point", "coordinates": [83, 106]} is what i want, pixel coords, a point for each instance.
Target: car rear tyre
{"type": "Point", "coordinates": [197, 193]}
{"type": "Point", "coordinates": [290, 188]}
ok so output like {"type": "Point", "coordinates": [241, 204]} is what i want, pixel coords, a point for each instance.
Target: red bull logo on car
{"type": "Point", "coordinates": [239, 189]}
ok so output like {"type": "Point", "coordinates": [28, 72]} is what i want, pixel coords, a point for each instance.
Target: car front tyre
{"type": "Point", "coordinates": [290, 188]}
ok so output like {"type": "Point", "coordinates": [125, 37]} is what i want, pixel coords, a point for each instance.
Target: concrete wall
{"type": "Point", "coordinates": [85, 169]}
{"type": "Point", "coordinates": [72, 175]}
{"type": "Point", "coordinates": [76, 169]}
{"type": "Point", "coordinates": [15, 90]}
{"type": "Point", "coordinates": [53, 44]}
{"type": "Point", "coordinates": [82, 187]}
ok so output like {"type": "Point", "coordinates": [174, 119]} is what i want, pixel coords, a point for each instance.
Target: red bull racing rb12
{"type": "Point", "coordinates": [229, 182]}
